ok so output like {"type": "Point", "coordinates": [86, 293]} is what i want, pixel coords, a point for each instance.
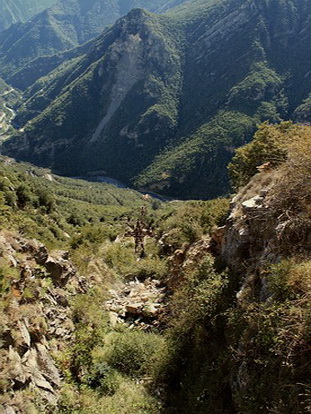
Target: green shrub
{"type": "Point", "coordinates": [24, 196]}
{"type": "Point", "coordinates": [199, 297]}
{"type": "Point", "coordinates": [130, 398]}
{"type": "Point", "coordinates": [194, 370]}
{"type": "Point", "coordinates": [133, 352]}
{"type": "Point", "coordinates": [103, 378]}
{"type": "Point", "coordinates": [268, 145]}
{"type": "Point", "coordinates": [93, 235]}
{"type": "Point", "coordinates": [91, 325]}
{"type": "Point", "coordinates": [289, 280]}
{"type": "Point", "coordinates": [122, 259]}
{"type": "Point", "coordinates": [274, 349]}
{"type": "Point", "coordinates": [188, 221]}
{"type": "Point", "coordinates": [7, 275]}
{"type": "Point", "coordinates": [45, 199]}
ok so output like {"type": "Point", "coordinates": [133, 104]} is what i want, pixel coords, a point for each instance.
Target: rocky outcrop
{"type": "Point", "coordinates": [137, 304]}
{"type": "Point", "coordinates": [187, 259]}
{"type": "Point", "coordinates": [36, 319]}
{"type": "Point", "coordinates": [252, 232]}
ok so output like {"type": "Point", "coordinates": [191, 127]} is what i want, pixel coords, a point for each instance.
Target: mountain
{"type": "Point", "coordinates": [63, 26]}
{"type": "Point", "coordinates": [163, 101]}
{"type": "Point", "coordinates": [213, 318]}
{"type": "Point", "coordinates": [12, 11]}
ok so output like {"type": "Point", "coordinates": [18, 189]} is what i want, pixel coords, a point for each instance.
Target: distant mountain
{"type": "Point", "coordinates": [63, 26]}
{"type": "Point", "coordinates": [12, 11]}
{"type": "Point", "coordinates": [162, 101]}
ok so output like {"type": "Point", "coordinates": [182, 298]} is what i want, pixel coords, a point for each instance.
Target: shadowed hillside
{"type": "Point", "coordinates": [163, 101]}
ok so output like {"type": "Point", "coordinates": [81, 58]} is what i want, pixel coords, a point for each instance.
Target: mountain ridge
{"type": "Point", "coordinates": [198, 84]}
{"type": "Point", "coordinates": [12, 11]}
{"type": "Point", "coordinates": [63, 26]}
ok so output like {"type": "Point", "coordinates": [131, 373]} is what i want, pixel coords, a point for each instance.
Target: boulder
{"type": "Point", "coordinates": [134, 308]}
{"type": "Point", "coordinates": [59, 268]}
{"type": "Point", "coordinates": [253, 203]}
{"type": "Point", "coordinates": [47, 365]}
{"type": "Point", "coordinates": [24, 338]}
{"type": "Point", "coordinates": [16, 370]}
{"type": "Point", "coordinates": [150, 311]}
{"type": "Point", "coordinates": [30, 361]}
{"type": "Point", "coordinates": [7, 410]}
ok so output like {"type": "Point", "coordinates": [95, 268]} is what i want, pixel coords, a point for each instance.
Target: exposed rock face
{"type": "Point", "coordinates": [187, 259]}
{"type": "Point", "coordinates": [131, 63]}
{"type": "Point", "coordinates": [46, 34]}
{"type": "Point", "coordinates": [129, 72]}
{"type": "Point", "coordinates": [264, 230]}
{"type": "Point", "coordinates": [252, 232]}
{"type": "Point", "coordinates": [252, 235]}
{"type": "Point", "coordinates": [35, 312]}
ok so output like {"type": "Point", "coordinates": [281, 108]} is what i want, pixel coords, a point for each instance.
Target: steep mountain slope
{"type": "Point", "coordinates": [162, 101]}
{"type": "Point", "coordinates": [214, 318]}
{"type": "Point", "coordinates": [52, 209]}
{"type": "Point", "coordinates": [40, 286]}
{"type": "Point", "coordinates": [141, 60]}
{"type": "Point", "coordinates": [240, 335]}
{"type": "Point", "coordinates": [12, 11]}
{"type": "Point", "coordinates": [63, 26]}
{"type": "Point", "coordinates": [8, 98]}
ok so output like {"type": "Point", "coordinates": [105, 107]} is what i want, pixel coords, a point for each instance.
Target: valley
{"type": "Point", "coordinates": [148, 95]}
{"type": "Point", "coordinates": [135, 304]}
{"type": "Point", "coordinates": [155, 220]}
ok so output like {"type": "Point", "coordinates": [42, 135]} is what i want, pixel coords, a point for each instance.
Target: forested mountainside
{"type": "Point", "coordinates": [208, 313]}
{"type": "Point", "coordinates": [49, 207]}
{"type": "Point", "coordinates": [163, 101]}
{"type": "Point", "coordinates": [112, 300]}
{"type": "Point", "coordinates": [63, 26]}
{"type": "Point", "coordinates": [12, 11]}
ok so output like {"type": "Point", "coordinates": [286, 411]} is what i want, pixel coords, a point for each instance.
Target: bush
{"type": "Point", "coordinates": [24, 196]}
{"type": "Point", "coordinates": [7, 275]}
{"type": "Point", "coordinates": [195, 368]}
{"type": "Point", "coordinates": [290, 280]}
{"type": "Point", "coordinates": [122, 259]}
{"type": "Point", "coordinates": [93, 235]}
{"type": "Point", "coordinates": [103, 378]}
{"type": "Point", "coordinates": [199, 297]}
{"type": "Point", "coordinates": [268, 145]}
{"type": "Point", "coordinates": [188, 221]}
{"type": "Point", "coordinates": [133, 352]}
{"type": "Point", "coordinates": [274, 348]}
{"type": "Point", "coordinates": [131, 398]}
{"type": "Point", "coordinates": [46, 200]}
{"type": "Point", "coordinates": [91, 326]}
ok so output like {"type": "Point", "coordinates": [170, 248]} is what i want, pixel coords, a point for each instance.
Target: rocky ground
{"type": "Point", "coordinates": [36, 320]}
{"type": "Point", "coordinates": [145, 304]}
{"type": "Point", "coordinates": [138, 304]}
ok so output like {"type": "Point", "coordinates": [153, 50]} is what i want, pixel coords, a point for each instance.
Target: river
{"type": "Point", "coordinates": [119, 184]}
